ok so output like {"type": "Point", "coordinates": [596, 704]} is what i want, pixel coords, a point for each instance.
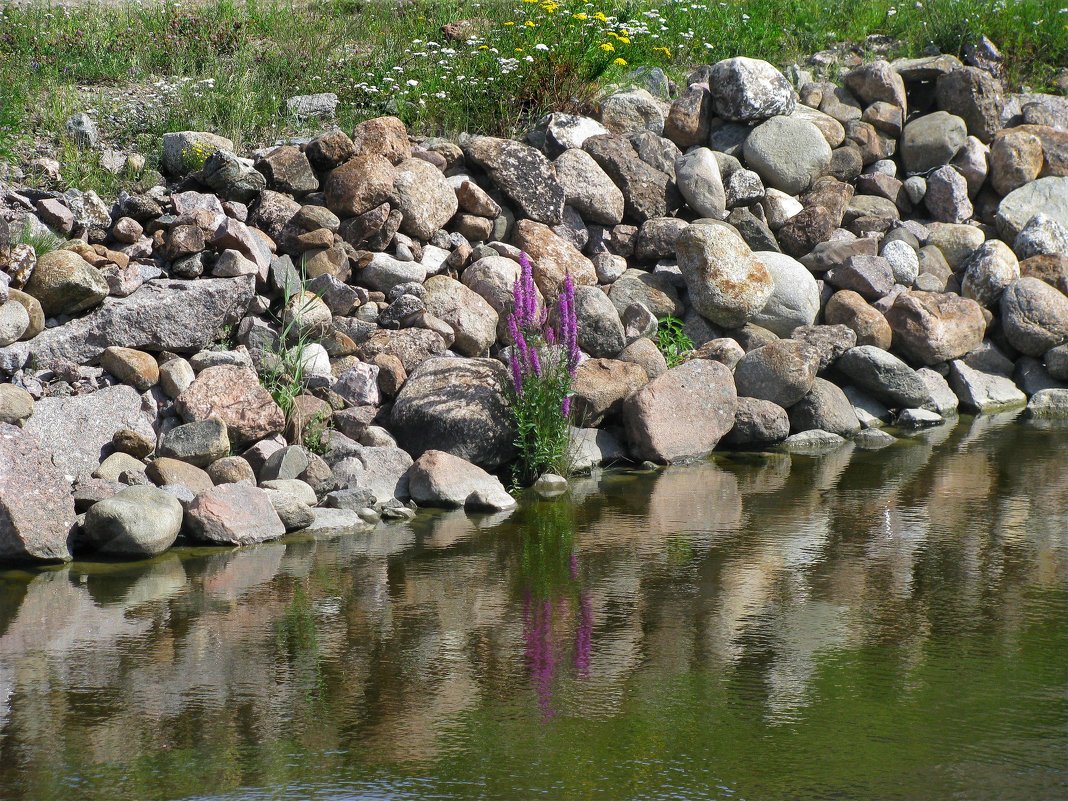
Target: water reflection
{"type": "Point", "coordinates": [768, 626]}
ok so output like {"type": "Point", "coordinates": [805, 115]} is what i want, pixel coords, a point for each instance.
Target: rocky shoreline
{"type": "Point", "coordinates": [842, 257]}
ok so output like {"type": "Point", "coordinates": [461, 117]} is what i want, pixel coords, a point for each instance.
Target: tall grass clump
{"type": "Point", "coordinates": [544, 359]}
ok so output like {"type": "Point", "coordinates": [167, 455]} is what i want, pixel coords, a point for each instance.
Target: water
{"type": "Point", "coordinates": [864, 625]}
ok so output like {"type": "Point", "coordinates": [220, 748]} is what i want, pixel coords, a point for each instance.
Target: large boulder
{"type": "Point", "coordinates": [988, 271]}
{"type": "Point", "coordinates": [788, 153]}
{"type": "Point", "coordinates": [982, 391]}
{"type": "Point", "coordinates": [781, 371]}
{"type": "Point", "coordinates": [974, 95]}
{"type": "Point", "coordinates": [522, 173]}
{"type": "Point", "coordinates": [588, 189]}
{"type": "Point", "coordinates": [65, 283]}
{"type": "Point", "coordinates": [932, 140]}
{"type": "Point", "coordinates": [471, 317]}
{"type": "Point", "coordinates": [552, 258]}
{"type": "Point", "coordinates": [748, 89]}
{"type": "Point", "coordinates": [934, 327]}
{"type": "Point", "coordinates": [848, 308]}
{"type": "Point", "coordinates": [795, 299]}
{"type": "Point", "coordinates": [441, 479]}
{"type": "Point", "coordinates": [824, 408]}
{"type": "Point", "coordinates": [1034, 316]}
{"type": "Point", "coordinates": [1048, 196]}
{"type": "Point", "coordinates": [382, 469]}
{"type": "Point", "coordinates": [600, 331]}
{"type": "Point", "coordinates": [36, 505]}
{"type": "Point", "coordinates": [600, 386]}
{"type": "Point", "coordinates": [459, 406]}
{"type": "Point", "coordinates": [700, 182]}
{"type": "Point", "coordinates": [884, 376]}
{"type": "Point", "coordinates": [424, 198]}
{"type": "Point", "coordinates": [683, 414]}
{"type": "Point", "coordinates": [648, 192]}
{"type": "Point", "coordinates": [136, 522]}
{"type": "Point", "coordinates": [757, 424]}
{"type": "Point", "coordinates": [199, 443]}
{"type": "Point", "coordinates": [233, 514]}
{"type": "Point", "coordinates": [78, 430]}
{"type": "Point", "coordinates": [163, 315]}
{"type": "Point", "coordinates": [359, 185]}
{"type": "Point", "coordinates": [727, 284]}
{"type": "Point", "coordinates": [235, 396]}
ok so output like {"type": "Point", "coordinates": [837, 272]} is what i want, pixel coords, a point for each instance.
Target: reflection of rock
{"type": "Point", "coordinates": [701, 498]}
{"type": "Point", "coordinates": [231, 574]}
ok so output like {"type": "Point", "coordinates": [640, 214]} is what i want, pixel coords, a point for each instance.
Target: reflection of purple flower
{"type": "Point", "coordinates": [537, 625]}
{"type": "Point", "coordinates": [584, 636]}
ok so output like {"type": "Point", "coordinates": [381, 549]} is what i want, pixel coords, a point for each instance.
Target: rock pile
{"type": "Point", "coordinates": [842, 257]}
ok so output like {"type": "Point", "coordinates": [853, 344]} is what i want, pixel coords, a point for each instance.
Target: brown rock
{"type": "Point", "coordinates": [232, 394]}
{"type": "Point", "coordinates": [383, 136]}
{"type": "Point", "coordinates": [933, 327]}
{"type": "Point", "coordinates": [391, 374]}
{"type": "Point", "coordinates": [412, 346]}
{"type": "Point", "coordinates": [330, 150]}
{"type": "Point", "coordinates": [133, 367]}
{"type": "Point", "coordinates": [165, 471]}
{"type": "Point", "coordinates": [233, 514]}
{"type": "Point", "coordinates": [683, 414]}
{"type": "Point", "coordinates": [805, 230]}
{"type": "Point", "coordinates": [553, 258]}
{"type": "Point", "coordinates": [851, 310]}
{"type": "Point", "coordinates": [600, 387]}
{"type": "Point", "coordinates": [358, 185]}
{"type": "Point", "coordinates": [1015, 159]}
{"type": "Point", "coordinates": [1052, 268]}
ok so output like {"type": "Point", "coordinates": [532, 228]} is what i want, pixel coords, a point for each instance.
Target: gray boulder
{"type": "Point", "coordinates": [787, 153]}
{"type": "Point", "coordinates": [383, 469]}
{"type": "Point", "coordinates": [932, 140]}
{"type": "Point", "coordinates": [698, 177]}
{"type": "Point", "coordinates": [1034, 316]}
{"type": "Point", "coordinates": [748, 89]}
{"type": "Point", "coordinates": [600, 331]}
{"type": "Point", "coordinates": [136, 522]}
{"type": "Point", "coordinates": [78, 430]}
{"type": "Point", "coordinates": [522, 173]}
{"type": "Point", "coordinates": [459, 406]}
{"type": "Point", "coordinates": [1047, 196]}
{"type": "Point", "coordinates": [36, 506]}
{"type": "Point", "coordinates": [199, 443]}
{"type": "Point", "coordinates": [884, 376]}
{"type": "Point", "coordinates": [163, 315]}
{"type": "Point", "coordinates": [782, 372]}
{"type": "Point", "coordinates": [441, 479]}
{"type": "Point", "coordinates": [757, 424]}
{"type": "Point", "coordinates": [826, 408]}
{"type": "Point", "coordinates": [795, 299]}
{"type": "Point", "coordinates": [980, 391]}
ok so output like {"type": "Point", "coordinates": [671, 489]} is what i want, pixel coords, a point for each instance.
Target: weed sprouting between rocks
{"type": "Point", "coordinates": [543, 363]}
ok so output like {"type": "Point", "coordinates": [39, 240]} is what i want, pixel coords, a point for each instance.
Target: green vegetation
{"type": "Point", "coordinates": [285, 360]}
{"type": "Point", "coordinates": [40, 239]}
{"type": "Point", "coordinates": [673, 341]}
{"type": "Point", "coordinates": [228, 67]}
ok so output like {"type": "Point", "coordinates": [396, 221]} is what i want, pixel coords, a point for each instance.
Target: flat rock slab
{"type": "Point", "coordinates": [164, 314]}
{"type": "Point", "coordinates": [36, 505]}
{"type": "Point", "coordinates": [77, 430]}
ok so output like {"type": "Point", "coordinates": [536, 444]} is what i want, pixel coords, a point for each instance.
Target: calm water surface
{"type": "Point", "coordinates": [863, 625]}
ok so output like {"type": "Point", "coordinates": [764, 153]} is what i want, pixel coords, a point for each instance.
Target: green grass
{"type": "Point", "coordinates": [228, 67]}
{"type": "Point", "coordinates": [42, 241]}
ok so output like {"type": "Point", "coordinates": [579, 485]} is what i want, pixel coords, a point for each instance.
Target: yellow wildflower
{"type": "Point", "coordinates": [528, 24]}
{"type": "Point", "coordinates": [608, 47]}
{"type": "Point", "coordinates": [550, 7]}
{"type": "Point", "coordinates": [580, 16]}
{"type": "Point", "coordinates": [600, 17]}
{"type": "Point", "coordinates": [613, 34]}
{"type": "Point", "coordinates": [624, 39]}
{"type": "Point", "coordinates": [664, 50]}
{"type": "Point", "coordinates": [509, 24]}
{"type": "Point", "coordinates": [483, 47]}
{"type": "Point", "coordinates": [620, 62]}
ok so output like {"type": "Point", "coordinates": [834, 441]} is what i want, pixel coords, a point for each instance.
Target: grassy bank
{"type": "Point", "coordinates": [225, 67]}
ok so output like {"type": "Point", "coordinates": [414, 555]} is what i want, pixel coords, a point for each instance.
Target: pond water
{"type": "Point", "coordinates": [862, 625]}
